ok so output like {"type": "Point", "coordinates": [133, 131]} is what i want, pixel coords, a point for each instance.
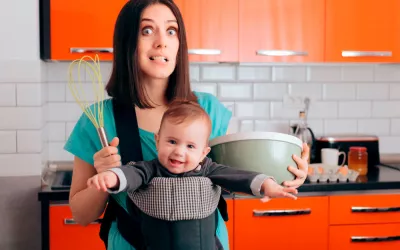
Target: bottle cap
{"type": "Point", "coordinates": [361, 149]}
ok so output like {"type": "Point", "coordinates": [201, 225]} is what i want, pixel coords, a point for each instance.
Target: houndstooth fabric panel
{"type": "Point", "coordinates": [172, 199]}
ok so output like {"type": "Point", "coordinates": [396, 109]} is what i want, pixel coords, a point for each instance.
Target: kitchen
{"type": "Point", "coordinates": [349, 94]}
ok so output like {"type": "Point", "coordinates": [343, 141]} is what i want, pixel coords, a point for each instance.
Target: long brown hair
{"type": "Point", "coordinates": [124, 84]}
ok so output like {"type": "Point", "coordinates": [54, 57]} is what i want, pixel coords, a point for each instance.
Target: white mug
{"type": "Point", "coordinates": [330, 156]}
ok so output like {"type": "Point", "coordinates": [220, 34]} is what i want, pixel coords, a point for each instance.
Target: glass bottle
{"type": "Point", "coordinates": [358, 159]}
{"type": "Point", "coordinates": [302, 132]}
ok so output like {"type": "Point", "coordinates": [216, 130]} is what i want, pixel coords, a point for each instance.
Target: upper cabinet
{"type": "Point", "coordinates": [362, 31]}
{"type": "Point", "coordinates": [211, 29]}
{"type": "Point", "coordinates": [73, 28]}
{"type": "Point", "coordinates": [281, 30]}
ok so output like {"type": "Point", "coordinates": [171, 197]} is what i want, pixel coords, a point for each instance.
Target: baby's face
{"type": "Point", "coordinates": [181, 147]}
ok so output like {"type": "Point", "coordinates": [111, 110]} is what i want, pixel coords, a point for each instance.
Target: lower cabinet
{"type": "Point", "coordinates": [229, 223]}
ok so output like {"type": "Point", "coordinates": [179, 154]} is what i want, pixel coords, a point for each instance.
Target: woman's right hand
{"type": "Point", "coordinates": [107, 157]}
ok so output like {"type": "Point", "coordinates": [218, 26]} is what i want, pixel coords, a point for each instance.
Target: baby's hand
{"type": "Point", "coordinates": [272, 189]}
{"type": "Point", "coordinates": [103, 181]}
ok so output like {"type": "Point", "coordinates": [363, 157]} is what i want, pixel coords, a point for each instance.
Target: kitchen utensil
{"type": "Point", "coordinates": [265, 152]}
{"type": "Point", "coordinates": [93, 111]}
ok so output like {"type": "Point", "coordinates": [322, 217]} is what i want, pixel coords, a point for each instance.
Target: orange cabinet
{"type": "Point", "coordinates": [65, 234]}
{"type": "Point", "coordinates": [281, 30]}
{"type": "Point", "coordinates": [229, 223]}
{"type": "Point", "coordinates": [362, 31]}
{"type": "Point", "coordinates": [211, 29]}
{"type": "Point", "coordinates": [281, 224]}
{"type": "Point", "coordinates": [71, 29]}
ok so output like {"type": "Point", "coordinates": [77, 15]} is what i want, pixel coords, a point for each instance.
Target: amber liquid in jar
{"type": "Point", "coordinates": [358, 160]}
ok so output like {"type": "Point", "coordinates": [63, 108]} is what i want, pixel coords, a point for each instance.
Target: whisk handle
{"type": "Point", "coordinates": [102, 136]}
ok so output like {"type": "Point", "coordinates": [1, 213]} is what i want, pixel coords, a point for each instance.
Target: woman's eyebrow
{"type": "Point", "coordinates": [151, 20]}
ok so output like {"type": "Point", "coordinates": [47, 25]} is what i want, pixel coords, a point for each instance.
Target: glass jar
{"type": "Point", "coordinates": [358, 160]}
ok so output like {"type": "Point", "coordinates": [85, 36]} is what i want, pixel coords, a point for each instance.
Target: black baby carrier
{"type": "Point", "coordinates": [171, 225]}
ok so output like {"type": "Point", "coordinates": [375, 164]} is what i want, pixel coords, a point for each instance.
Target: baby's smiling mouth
{"type": "Point", "coordinates": [175, 162]}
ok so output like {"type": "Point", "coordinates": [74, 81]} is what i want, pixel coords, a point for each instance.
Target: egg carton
{"type": "Point", "coordinates": [322, 173]}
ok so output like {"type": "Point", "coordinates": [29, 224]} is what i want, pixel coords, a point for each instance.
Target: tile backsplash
{"type": "Point", "coordinates": [348, 98]}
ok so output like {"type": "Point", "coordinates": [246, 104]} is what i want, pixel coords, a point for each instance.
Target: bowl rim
{"type": "Point", "coordinates": [242, 136]}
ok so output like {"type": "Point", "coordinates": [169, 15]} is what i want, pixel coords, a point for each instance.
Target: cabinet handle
{"type": "Point", "coordinates": [281, 212]}
{"type": "Point", "coordinates": [281, 53]}
{"type": "Point", "coordinates": [204, 52]}
{"type": "Point", "coordinates": [374, 209]}
{"type": "Point", "coordinates": [70, 221]}
{"type": "Point", "coordinates": [351, 53]}
{"type": "Point", "coordinates": [374, 239]}
{"type": "Point", "coordinates": [91, 50]}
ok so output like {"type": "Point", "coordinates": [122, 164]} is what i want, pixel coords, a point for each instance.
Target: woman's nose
{"type": "Point", "coordinates": [161, 41]}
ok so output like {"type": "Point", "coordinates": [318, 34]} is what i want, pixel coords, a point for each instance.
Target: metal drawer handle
{"type": "Point", "coordinates": [91, 50]}
{"type": "Point", "coordinates": [351, 53]}
{"type": "Point", "coordinates": [70, 221]}
{"type": "Point", "coordinates": [374, 239]}
{"type": "Point", "coordinates": [281, 212]}
{"type": "Point", "coordinates": [204, 52]}
{"type": "Point", "coordinates": [281, 53]}
{"type": "Point", "coordinates": [374, 209]}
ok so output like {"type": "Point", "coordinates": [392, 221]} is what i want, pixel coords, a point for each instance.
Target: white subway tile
{"type": "Point", "coordinates": [289, 74]}
{"type": "Point", "coordinates": [20, 164]}
{"type": "Point", "coordinates": [395, 127]}
{"type": "Point", "coordinates": [279, 111]}
{"type": "Point", "coordinates": [246, 126]}
{"type": "Point", "coordinates": [311, 90]}
{"type": "Point", "coordinates": [64, 112]}
{"type": "Point", "coordinates": [389, 144]}
{"type": "Point", "coordinates": [272, 126]}
{"type": "Point", "coordinates": [234, 126]}
{"type": "Point", "coordinates": [57, 131]}
{"type": "Point", "coordinates": [69, 127]}
{"type": "Point", "coordinates": [353, 109]}
{"type": "Point", "coordinates": [340, 127]}
{"type": "Point", "coordinates": [218, 73]}
{"type": "Point", "coordinates": [230, 106]}
{"type": "Point", "coordinates": [59, 72]}
{"type": "Point", "coordinates": [205, 87]}
{"type": "Point", "coordinates": [29, 94]}
{"type": "Point", "coordinates": [194, 73]}
{"type": "Point", "coordinates": [324, 73]}
{"type": "Point", "coordinates": [252, 109]}
{"type": "Point", "coordinates": [13, 71]}
{"type": "Point", "coordinates": [29, 141]}
{"type": "Point", "coordinates": [85, 92]}
{"type": "Point", "coordinates": [56, 92]}
{"type": "Point", "coordinates": [387, 73]}
{"type": "Point", "coordinates": [358, 73]}
{"type": "Point", "coordinates": [323, 110]}
{"type": "Point", "coordinates": [339, 91]}
{"type": "Point", "coordinates": [374, 126]}
{"type": "Point", "coordinates": [57, 152]}
{"type": "Point", "coordinates": [386, 109]}
{"type": "Point", "coordinates": [8, 96]}
{"type": "Point", "coordinates": [105, 73]}
{"type": "Point", "coordinates": [395, 91]}
{"type": "Point", "coordinates": [21, 117]}
{"type": "Point", "coordinates": [373, 91]}
{"type": "Point", "coordinates": [235, 91]}
{"type": "Point", "coordinates": [255, 73]}
{"type": "Point", "coordinates": [269, 91]}
{"type": "Point", "coordinates": [8, 141]}
{"type": "Point", "coordinates": [44, 93]}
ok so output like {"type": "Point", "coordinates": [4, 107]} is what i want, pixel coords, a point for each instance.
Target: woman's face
{"type": "Point", "coordinates": [158, 42]}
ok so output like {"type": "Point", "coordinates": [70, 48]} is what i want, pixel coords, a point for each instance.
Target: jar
{"type": "Point", "coordinates": [358, 160]}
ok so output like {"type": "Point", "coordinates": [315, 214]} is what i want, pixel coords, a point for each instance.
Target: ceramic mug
{"type": "Point", "coordinates": [330, 156]}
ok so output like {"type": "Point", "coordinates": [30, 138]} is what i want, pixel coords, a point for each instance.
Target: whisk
{"type": "Point", "coordinates": [93, 112]}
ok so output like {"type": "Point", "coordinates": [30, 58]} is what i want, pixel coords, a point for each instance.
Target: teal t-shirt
{"type": "Point", "coordinates": [84, 143]}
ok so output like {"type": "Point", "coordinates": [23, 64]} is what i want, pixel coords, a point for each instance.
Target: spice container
{"type": "Point", "coordinates": [358, 159]}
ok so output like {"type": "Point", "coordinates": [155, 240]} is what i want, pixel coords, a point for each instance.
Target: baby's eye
{"type": "Point", "coordinates": [191, 146]}
{"type": "Point", "coordinates": [172, 141]}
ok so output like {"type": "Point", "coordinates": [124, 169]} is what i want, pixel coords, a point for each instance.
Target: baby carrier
{"type": "Point", "coordinates": [187, 223]}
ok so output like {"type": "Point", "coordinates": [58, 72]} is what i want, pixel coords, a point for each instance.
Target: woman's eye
{"type": "Point", "coordinates": [147, 31]}
{"type": "Point", "coordinates": [172, 32]}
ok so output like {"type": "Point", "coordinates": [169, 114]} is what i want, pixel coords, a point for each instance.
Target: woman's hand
{"type": "Point", "coordinates": [107, 157]}
{"type": "Point", "coordinates": [302, 170]}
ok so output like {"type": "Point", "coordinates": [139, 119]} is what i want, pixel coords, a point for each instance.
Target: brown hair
{"type": "Point", "coordinates": [180, 111]}
{"type": "Point", "coordinates": [124, 84]}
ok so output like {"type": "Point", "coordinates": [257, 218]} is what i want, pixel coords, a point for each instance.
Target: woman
{"type": "Point", "coordinates": [150, 68]}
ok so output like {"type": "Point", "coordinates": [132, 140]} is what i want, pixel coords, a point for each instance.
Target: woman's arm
{"type": "Point", "coordinates": [87, 204]}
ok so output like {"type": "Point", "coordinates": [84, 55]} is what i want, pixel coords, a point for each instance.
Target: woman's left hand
{"type": "Point", "coordinates": [302, 170]}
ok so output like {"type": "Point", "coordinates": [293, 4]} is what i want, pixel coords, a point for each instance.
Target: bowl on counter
{"type": "Point", "coordinates": [269, 153]}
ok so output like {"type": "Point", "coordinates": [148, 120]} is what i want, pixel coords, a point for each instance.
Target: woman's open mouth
{"type": "Point", "coordinates": [159, 59]}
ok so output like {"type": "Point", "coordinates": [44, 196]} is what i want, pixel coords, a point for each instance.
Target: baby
{"type": "Point", "coordinates": [156, 191]}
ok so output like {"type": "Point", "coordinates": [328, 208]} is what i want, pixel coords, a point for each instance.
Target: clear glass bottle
{"type": "Point", "coordinates": [302, 131]}
{"type": "Point", "coordinates": [358, 159]}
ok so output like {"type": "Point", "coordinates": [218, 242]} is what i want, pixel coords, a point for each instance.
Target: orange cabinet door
{"type": "Point", "coordinates": [364, 209]}
{"type": "Point", "coordinates": [281, 224]}
{"type": "Point", "coordinates": [281, 30]}
{"type": "Point", "coordinates": [211, 29]}
{"type": "Point", "coordinates": [80, 28]}
{"type": "Point", "coordinates": [229, 223]}
{"type": "Point", "coordinates": [65, 234]}
{"type": "Point", "coordinates": [362, 31]}
{"type": "Point", "coordinates": [365, 237]}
